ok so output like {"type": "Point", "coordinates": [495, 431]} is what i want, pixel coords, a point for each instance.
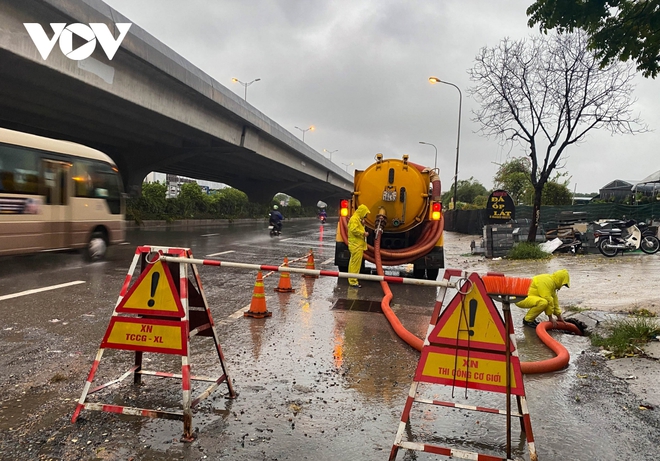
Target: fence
{"type": "Point", "coordinates": [472, 221]}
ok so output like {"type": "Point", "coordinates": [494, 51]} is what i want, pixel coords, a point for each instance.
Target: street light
{"type": "Point", "coordinates": [346, 165]}
{"type": "Point", "coordinates": [330, 152]}
{"type": "Point", "coordinates": [305, 130]}
{"type": "Point", "coordinates": [245, 85]}
{"type": "Point", "coordinates": [458, 138]}
{"type": "Point", "coordinates": [435, 163]}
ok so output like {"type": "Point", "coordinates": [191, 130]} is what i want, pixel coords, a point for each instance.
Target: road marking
{"type": "Point", "coordinates": [239, 313]}
{"type": "Point", "coordinates": [286, 240]}
{"type": "Point", "coordinates": [221, 253]}
{"type": "Point", "coordinates": [210, 235]}
{"type": "Point", "coordinates": [236, 315]}
{"type": "Point", "coordinates": [327, 261]}
{"type": "Point", "coordinates": [39, 290]}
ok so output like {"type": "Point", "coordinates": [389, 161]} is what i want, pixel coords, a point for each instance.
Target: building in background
{"type": "Point", "coordinates": [174, 182]}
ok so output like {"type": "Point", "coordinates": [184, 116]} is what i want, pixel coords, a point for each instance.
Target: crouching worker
{"type": "Point", "coordinates": [542, 297]}
{"type": "Point", "coordinates": [357, 243]}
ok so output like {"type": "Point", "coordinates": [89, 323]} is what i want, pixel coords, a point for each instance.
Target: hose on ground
{"type": "Point", "coordinates": [558, 362]}
{"type": "Point", "coordinates": [555, 363]}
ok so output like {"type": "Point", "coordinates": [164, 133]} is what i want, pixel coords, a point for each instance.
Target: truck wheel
{"type": "Point", "coordinates": [418, 273]}
{"type": "Point", "coordinates": [432, 274]}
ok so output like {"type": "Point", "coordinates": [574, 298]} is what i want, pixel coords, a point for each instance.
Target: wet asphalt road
{"type": "Point", "coordinates": [314, 382]}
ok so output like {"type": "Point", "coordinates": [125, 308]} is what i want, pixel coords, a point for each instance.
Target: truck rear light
{"type": "Point", "coordinates": [343, 208]}
{"type": "Point", "coordinates": [436, 211]}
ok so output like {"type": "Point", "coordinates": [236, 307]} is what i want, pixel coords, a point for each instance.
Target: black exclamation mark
{"type": "Point", "coordinates": [154, 283]}
{"type": "Point", "coordinates": [473, 314]}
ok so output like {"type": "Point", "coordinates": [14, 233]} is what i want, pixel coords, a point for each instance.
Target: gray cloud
{"type": "Point", "coordinates": [358, 69]}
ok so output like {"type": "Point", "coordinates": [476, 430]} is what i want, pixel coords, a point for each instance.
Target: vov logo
{"type": "Point", "coordinates": [91, 33]}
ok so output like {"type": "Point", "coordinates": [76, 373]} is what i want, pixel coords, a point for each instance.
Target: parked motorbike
{"type": "Point", "coordinates": [626, 236]}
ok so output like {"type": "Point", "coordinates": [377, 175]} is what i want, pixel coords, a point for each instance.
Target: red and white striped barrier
{"type": "Point", "coordinates": [324, 273]}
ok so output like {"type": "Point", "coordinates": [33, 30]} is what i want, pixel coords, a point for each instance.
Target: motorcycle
{"type": "Point", "coordinates": [274, 231]}
{"type": "Point", "coordinates": [322, 219]}
{"type": "Point", "coordinates": [626, 236]}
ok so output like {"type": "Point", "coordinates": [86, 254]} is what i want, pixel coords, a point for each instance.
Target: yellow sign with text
{"type": "Point", "coordinates": [147, 335]}
{"type": "Point", "coordinates": [472, 369]}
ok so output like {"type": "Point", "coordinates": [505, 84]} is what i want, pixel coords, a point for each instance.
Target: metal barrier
{"type": "Point", "coordinates": [294, 270]}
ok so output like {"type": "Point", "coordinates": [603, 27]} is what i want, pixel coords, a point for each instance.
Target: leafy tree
{"type": "Point", "coordinates": [468, 191]}
{"type": "Point", "coordinates": [555, 193]}
{"type": "Point", "coordinates": [617, 29]}
{"type": "Point", "coordinates": [191, 199]}
{"type": "Point", "coordinates": [155, 197]}
{"type": "Point", "coordinates": [229, 202]}
{"type": "Point", "coordinates": [514, 177]}
{"type": "Point", "coordinates": [547, 94]}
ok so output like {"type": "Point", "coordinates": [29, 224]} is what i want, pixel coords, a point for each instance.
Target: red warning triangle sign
{"type": "Point", "coordinates": [471, 321]}
{"type": "Point", "coordinates": [154, 293]}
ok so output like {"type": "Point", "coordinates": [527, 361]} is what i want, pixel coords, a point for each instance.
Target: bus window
{"type": "Point", "coordinates": [55, 174]}
{"type": "Point", "coordinates": [95, 179]}
{"type": "Point", "coordinates": [82, 180]}
{"type": "Point", "coordinates": [18, 170]}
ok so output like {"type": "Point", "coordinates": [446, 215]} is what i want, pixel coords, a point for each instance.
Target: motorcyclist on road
{"type": "Point", "coordinates": [276, 219]}
{"type": "Point", "coordinates": [542, 297]}
{"type": "Point", "coordinates": [323, 215]}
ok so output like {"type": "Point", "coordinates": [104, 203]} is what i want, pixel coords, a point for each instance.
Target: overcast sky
{"type": "Point", "coordinates": [358, 71]}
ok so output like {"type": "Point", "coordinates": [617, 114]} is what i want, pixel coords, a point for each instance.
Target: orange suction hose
{"type": "Point", "coordinates": [555, 363]}
{"type": "Point", "coordinates": [399, 329]}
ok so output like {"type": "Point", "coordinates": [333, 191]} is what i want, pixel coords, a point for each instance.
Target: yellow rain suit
{"type": "Point", "coordinates": [542, 295]}
{"type": "Point", "coordinates": [356, 241]}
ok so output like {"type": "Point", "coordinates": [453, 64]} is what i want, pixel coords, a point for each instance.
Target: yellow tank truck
{"type": "Point", "coordinates": [406, 214]}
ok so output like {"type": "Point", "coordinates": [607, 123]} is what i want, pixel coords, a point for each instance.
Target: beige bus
{"type": "Point", "coordinates": [57, 195]}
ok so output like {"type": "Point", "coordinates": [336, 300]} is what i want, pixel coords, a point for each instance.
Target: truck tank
{"type": "Point", "coordinates": [404, 200]}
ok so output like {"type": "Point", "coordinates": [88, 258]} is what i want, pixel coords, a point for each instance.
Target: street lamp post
{"type": "Point", "coordinates": [245, 85]}
{"type": "Point", "coordinates": [435, 162]}
{"type": "Point", "coordinates": [346, 165]}
{"type": "Point", "coordinates": [304, 131]}
{"type": "Point", "coordinates": [458, 138]}
{"type": "Point", "coordinates": [330, 152]}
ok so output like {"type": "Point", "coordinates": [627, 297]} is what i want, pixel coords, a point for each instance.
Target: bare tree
{"type": "Point", "coordinates": [547, 93]}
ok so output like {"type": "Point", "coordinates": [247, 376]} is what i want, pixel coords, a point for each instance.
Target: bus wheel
{"type": "Point", "coordinates": [97, 247]}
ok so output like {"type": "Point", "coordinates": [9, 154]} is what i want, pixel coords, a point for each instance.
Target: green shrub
{"type": "Point", "coordinates": [626, 336]}
{"type": "Point", "coordinates": [527, 250]}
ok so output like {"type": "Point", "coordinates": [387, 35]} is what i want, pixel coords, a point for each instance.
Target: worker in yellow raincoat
{"type": "Point", "coordinates": [357, 243]}
{"type": "Point", "coordinates": [542, 297]}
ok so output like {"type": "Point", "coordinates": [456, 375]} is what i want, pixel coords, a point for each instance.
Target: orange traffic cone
{"type": "Point", "coordinates": [258, 304]}
{"type": "Point", "coordinates": [310, 265]}
{"type": "Point", "coordinates": [285, 281]}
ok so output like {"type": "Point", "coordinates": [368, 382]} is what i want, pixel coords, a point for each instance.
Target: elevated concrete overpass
{"type": "Point", "coordinates": [149, 109]}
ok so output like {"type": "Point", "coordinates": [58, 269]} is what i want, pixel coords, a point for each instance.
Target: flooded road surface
{"type": "Point", "coordinates": [316, 381]}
